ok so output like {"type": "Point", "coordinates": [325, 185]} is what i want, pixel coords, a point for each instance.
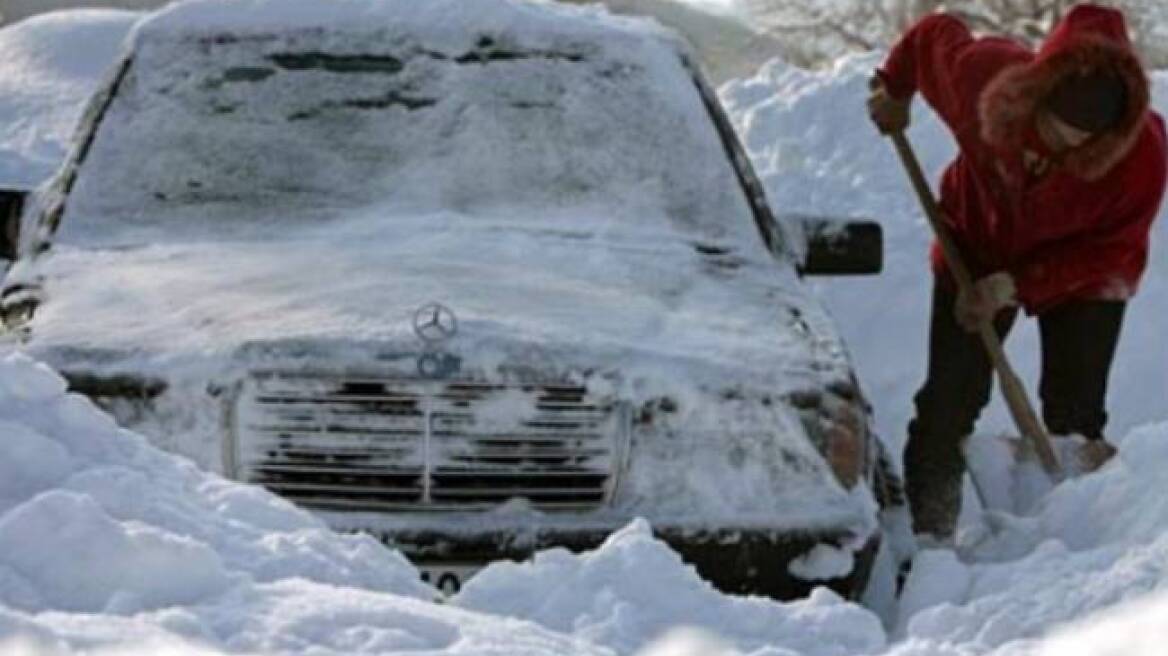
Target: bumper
{"type": "Point", "coordinates": [743, 562]}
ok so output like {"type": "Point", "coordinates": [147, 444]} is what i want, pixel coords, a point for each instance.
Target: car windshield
{"type": "Point", "coordinates": [216, 134]}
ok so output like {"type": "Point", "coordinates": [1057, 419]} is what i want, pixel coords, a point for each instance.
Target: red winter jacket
{"type": "Point", "coordinates": [1079, 232]}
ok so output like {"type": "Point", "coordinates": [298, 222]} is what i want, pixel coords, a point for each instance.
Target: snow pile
{"type": "Point", "coordinates": [91, 519]}
{"type": "Point", "coordinates": [812, 143]}
{"type": "Point", "coordinates": [48, 67]}
{"type": "Point", "coordinates": [1096, 541]}
{"type": "Point", "coordinates": [634, 589]}
{"type": "Point", "coordinates": [1056, 582]}
{"type": "Point", "coordinates": [105, 540]}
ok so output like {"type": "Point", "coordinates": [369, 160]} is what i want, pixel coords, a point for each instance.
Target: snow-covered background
{"type": "Point", "coordinates": [107, 543]}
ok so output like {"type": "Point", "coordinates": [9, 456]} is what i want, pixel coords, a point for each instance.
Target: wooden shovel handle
{"type": "Point", "coordinates": [1017, 399]}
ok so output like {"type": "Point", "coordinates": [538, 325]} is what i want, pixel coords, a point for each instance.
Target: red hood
{"type": "Point", "coordinates": [1088, 37]}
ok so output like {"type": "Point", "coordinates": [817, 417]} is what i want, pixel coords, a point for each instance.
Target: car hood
{"type": "Point", "coordinates": [586, 294]}
{"type": "Point", "coordinates": [715, 329]}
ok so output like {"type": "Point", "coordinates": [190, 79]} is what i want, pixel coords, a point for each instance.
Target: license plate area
{"type": "Point", "coordinates": [448, 578]}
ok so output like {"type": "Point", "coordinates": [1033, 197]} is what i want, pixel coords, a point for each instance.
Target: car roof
{"type": "Point", "coordinates": [452, 23]}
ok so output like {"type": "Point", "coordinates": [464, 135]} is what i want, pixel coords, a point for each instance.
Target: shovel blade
{"type": "Point", "coordinates": [1011, 475]}
{"type": "Point", "coordinates": [1078, 455]}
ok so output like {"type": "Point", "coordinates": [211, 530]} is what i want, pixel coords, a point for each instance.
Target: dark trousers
{"type": "Point", "coordinates": [1078, 344]}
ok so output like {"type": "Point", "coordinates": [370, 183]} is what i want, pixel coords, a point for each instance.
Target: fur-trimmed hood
{"type": "Point", "coordinates": [1088, 38]}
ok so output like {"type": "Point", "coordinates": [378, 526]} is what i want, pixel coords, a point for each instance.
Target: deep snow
{"type": "Point", "coordinates": [106, 543]}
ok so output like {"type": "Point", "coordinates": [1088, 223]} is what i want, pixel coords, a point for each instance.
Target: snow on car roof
{"type": "Point", "coordinates": [49, 65]}
{"type": "Point", "coordinates": [532, 22]}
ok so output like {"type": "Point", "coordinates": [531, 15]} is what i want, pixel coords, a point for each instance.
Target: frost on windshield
{"type": "Point", "coordinates": [219, 132]}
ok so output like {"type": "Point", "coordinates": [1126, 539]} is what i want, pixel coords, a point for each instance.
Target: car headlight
{"type": "Point", "coordinates": [838, 426]}
{"type": "Point", "coordinates": [845, 442]}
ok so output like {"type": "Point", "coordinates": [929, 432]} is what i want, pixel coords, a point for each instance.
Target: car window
{"type": "Point", "coordinates": [221, 133]}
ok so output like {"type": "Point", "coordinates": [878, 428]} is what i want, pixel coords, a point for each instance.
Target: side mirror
{"type": "Point", "coordinates": [838, 247]}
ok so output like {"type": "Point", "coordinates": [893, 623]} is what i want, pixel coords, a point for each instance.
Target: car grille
{"type": "Point", "coordinates": [390, 444]}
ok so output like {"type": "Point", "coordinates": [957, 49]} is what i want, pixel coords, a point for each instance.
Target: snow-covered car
{"type": "Point", "coordinates": [479, 278]}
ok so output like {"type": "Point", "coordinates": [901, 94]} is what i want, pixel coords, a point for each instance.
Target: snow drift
{"type": "Point", "coordinates": [637, 589]}
{"type": "Point", "coordinates": [105, 540]}
{"type": "Point", "coordinates": [94, 520]}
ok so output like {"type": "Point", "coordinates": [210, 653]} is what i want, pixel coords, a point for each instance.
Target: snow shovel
{"type": "Point", "coordinates": [1021, 410]}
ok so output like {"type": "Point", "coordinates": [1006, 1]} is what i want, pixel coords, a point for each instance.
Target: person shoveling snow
{"type": "Point", "coordinates": [1049, 203]}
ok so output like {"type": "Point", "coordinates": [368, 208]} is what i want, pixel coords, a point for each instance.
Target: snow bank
{"type": "Point", "coordinates": [634, 589]}
{"type": "Point", "coordinates": [106, 542]}
{"type": "Point", "coordinates": [92, 519]}
{"type": "Point", "coordinates": [48, 67]}
{"type": "Point", "coordinates": [1095, 541]}
{"type": "Point", "coordinates": [812, 143]}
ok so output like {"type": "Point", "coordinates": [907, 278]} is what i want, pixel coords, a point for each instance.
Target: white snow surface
{"type": "Point", "coordinates": [49, 65]}
{"type": "Point", "coordinates": [537, 19]}
{"type": "Point", "coordinates": [109, 544]}
{"type": "Point", "coordinates": [637, 588]}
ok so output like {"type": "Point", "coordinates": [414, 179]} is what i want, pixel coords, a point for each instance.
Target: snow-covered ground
{"type": "Point", "coordinates": [108, 544]}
